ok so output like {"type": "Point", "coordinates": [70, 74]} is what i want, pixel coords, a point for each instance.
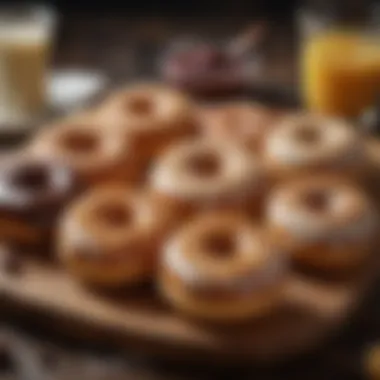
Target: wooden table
{"type": "Point", "coordinates": [126, 49]}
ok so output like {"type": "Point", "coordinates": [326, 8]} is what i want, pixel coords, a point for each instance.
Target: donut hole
{"type": "Point", "coordinates": [204, 165]}
{"type": "Point", "coordinates": [318, 201]}
{"type": "Point", "coordinates": [114, 215]}
{"type": "Point", "coordinates": [219, 245]}
{"type": "Point", "coordinates": [140, 105]}
{"type": "Point", "coordinates": [308, 135]}
{"type": "Point", "coordinates": [80, 142]}
{"type": "Point", "coordinates": [32, 178]}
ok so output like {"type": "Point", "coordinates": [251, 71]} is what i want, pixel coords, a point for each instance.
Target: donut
{"type": "Point", "coordinates": [96, 154]}
{"type": "Point", "coordinates": [110, 237]}
{"type": "Point", "coordinates": [243, 121]}
{"type": "Point", "coordinates": [303, 143]}
{"type": "Point", "coordinates": [221, 267]}
{"type": "Point", "coordinates": [325, 223]}
{"type": "Point", "coordinates": [152, 115]}
{"type": "Point", "coordinates": [33, 192]}
{"type": "Point", "coordinates": [203, 174]}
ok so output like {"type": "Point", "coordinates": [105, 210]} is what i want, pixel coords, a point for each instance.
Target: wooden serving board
{"type": "Point", "coordinates": [312, 310]}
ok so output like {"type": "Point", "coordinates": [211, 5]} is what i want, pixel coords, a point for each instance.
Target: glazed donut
{"type": "Point", "coordinates": [94, 153]}
{"type": "Point", "coordinates": [33, 192]}
{"type": "Point", "coordinates": [326, 223]}
{"type": "Point", "coordinates": [243, 121]}
{"type": "Point", "coordinates": [304, 143]}
{"type": "Point", "coordinates": [221, 267]}
{"type": "Point", "coordinates": [204, 174]}
{"type": "Point", "coordinates": [111, 236]}
{"type": "Point", "coordinates": [152, 115]}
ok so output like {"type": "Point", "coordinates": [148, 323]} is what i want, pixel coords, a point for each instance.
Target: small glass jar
{"type": "Point", "coordinates": [339, 57]}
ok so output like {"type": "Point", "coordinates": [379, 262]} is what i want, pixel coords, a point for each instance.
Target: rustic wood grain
{"type": "Point", "coordinates": [310, 311]}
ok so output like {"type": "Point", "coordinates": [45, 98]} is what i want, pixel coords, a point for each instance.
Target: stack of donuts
{"type": "Point", "coordinates": [215, 204]}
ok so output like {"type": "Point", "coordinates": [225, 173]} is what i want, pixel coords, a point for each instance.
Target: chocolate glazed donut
{"type": "Point", "coordinates": [32, 194]}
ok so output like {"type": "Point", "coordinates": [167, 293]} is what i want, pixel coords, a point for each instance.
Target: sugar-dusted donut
{"type": "Point", "coordinates": [94, 152]}
{"type": "Point", "coordinates": [242, 121]}
{"type": "Point", "coordinates": [112, 235]}
{"type": "Point", "coordinates": [303, 143]}
{"type": "Point", "coordinates": [220, 267]}
{"type": "Point", "coordinates": [204, 174]}
{"type": "Point", "coordinates": [152, 115]}
{"type": "Point", "coordinates": [325, 223]}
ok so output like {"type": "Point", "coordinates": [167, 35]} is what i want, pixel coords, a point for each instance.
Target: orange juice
{"type": "Point", "coordinates": [341, 72]}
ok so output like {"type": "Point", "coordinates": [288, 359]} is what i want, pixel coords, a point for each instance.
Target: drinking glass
{"type": "Point", "coordinates": [339, 57]}
{"type": "Point", "coordinates": [26, 39]}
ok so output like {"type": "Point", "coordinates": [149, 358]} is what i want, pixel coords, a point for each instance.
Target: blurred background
{"type": "Point", "coordinates": [127, 40]}
{"type": "Point", "coordinates": [205, 7]}
{"type": "Point", "coordinates": [120, 41]}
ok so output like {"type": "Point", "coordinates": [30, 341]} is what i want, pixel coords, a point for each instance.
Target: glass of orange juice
{"type": "Point", "coordinates": [340, 65]}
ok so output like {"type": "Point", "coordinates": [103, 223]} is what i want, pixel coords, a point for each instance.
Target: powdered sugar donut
{"type": "Point", "coordinates": [221, 267]}
{"type": "Point", "coordinates": [325, 222]}
{"type": "Point", "coordinates": [246, 122]}
{"type": "Point", "coordinates": [95, 153]}
{"type": "Point", "coordinates": [112, 236]}
{"type": "Point", "coordinates": [152, 115]}
{"type": "Point", "coordinates": [204, 174]}
{"type": "Point", "coordinates": [303, 143]}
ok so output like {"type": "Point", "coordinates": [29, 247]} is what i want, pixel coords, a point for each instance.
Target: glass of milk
{"type": "Point", "coordinates": [26, 36]}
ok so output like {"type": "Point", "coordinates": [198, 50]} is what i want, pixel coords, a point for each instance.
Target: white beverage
{"type": "Point", "coordinates": [25, 45]}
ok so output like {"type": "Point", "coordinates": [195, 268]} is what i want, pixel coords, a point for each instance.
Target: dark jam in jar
{"type": "Point", "coordinates": [204, 69]}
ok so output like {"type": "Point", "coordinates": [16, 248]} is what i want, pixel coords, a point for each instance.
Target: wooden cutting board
{"type": "Point", "coordinates": [136, 319]}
